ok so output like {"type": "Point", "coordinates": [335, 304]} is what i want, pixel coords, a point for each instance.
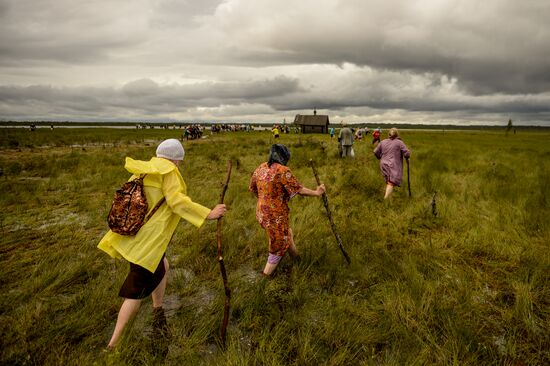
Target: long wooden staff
{"type": "Point", "coordinates": [220, 260]}
{"type": "Point", "coordinates": [408, 178]}
{"type": "Point", "coordinates": [329, 215]}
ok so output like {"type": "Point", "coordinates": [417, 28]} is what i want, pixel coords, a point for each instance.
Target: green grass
{"type": "Point", "coordinates": [469, 286]}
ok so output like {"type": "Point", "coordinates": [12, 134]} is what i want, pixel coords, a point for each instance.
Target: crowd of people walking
{"type": "Point", "coordinates": [390, 152]}
{"type": "Point", "coordinates": [272, 182]}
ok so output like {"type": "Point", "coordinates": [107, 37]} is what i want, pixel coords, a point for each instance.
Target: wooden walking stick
{"type": "Point", "coordinates": [433, 204]}
{"type": "Point", "coordinates": [220, 260]}
{"type": "Point", "coordinates": [329, 215]}
{"type": "Point", "coordinates": [408, 178]}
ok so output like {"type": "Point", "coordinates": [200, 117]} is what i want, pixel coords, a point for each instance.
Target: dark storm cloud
{"type": "Point", "coordinates": [146, 97]}
{"type": "Point", "coordinates": [80, 32]}
{"type": "Point", "coordinates": [65, 32]}
{"type": "Point", "coordinates": [104, 59]}
{"type": "Point", "coordinates": [417, 103]}
{"type": "Point", "coordinates": [490, 47]}
{"type": "Point", "coordinates": [142, 95]}
{"type": "Point", "coordinates": [216, 92]}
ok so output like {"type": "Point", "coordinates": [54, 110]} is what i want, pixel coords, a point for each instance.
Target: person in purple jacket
{"type": "Point", "coordinates": [390, 152]}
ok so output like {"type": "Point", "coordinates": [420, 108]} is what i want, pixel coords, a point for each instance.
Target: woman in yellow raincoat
{"type": "Point", "coordinates": [145, 250]}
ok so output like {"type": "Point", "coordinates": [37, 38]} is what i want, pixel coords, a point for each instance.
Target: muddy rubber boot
{"type": "Point", "coordinates": [266, 276]}
{"type": "Point", "coordinates": [160, 338]}
{"type": "Point", "coordinates": [160, 325]}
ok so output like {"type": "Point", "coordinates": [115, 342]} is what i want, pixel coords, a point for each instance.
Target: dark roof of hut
{"type": "Point", "coordinates": [311, 120]}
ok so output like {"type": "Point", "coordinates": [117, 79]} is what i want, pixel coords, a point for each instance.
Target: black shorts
{"type": "Point", "coordinates": [140, 283]}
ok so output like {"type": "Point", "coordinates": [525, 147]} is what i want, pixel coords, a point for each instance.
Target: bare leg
{"type": "Point", "coordinates": [292, 248]}
{"type": "Point", "coordinates": [269, 268]}
{"type": "Point", "coordinates": [160, 326]}
{"type": "Point", "coordinates": [158, 293]}
{"type": "Point", "coordinates": [389, 190]}
{"type": "Point", "coordinates": [127, 311]}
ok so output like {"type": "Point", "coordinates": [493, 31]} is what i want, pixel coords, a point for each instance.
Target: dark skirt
{"type": "Point", "coordinates": [140, 283]}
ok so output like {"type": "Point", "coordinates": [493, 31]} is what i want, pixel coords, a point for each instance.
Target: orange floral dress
{"type": "Point", "coordinates": [274, 186]}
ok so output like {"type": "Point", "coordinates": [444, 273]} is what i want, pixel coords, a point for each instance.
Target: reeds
{"type": "Point", "coordinates": [468, 286]}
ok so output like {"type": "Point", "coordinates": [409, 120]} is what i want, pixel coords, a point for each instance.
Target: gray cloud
{"type": "Point", "coordinates": [281, 95]}
{"type": "Point", "coordinates": [185, 14]}
{"type": "Point", "coordinates": [168, 59]}
{"type": "Point", "coordinates": [489, 47]}
{"type": "Point", "coordinates": [144, 96]}
{"type": "Point", "coordinates": [67, 31]}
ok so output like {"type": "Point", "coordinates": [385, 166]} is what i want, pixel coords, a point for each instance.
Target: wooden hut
{"type": "Point", "coordinates": [312, 123]}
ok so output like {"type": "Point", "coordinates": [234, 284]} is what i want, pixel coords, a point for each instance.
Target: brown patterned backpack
{"type": "Point", "coordinates": [129, 209]}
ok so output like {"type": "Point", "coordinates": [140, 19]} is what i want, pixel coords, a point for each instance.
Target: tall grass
{"type": "Point", "coordinates": [468, 286]}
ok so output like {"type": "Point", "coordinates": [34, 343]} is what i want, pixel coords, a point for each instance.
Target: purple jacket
{"type": "Point", "coordinates": [390, 152]}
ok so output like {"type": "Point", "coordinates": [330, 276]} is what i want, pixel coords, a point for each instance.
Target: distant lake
{"type": "Point", "coordinates": [68, 126]}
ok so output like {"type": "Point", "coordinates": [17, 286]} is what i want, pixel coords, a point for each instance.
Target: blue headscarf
{"type": "Point", "coordinates": [278, 154]}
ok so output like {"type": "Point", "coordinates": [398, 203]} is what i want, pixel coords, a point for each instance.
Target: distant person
{"type": "Point", "coordinates": [275, 131]}
{"type": "Point", "coordinates": [390, 152]}
{"type": "Point", "coordinates": [345, 138]}
{"type": "Point", "coordinates": [376, 136]}
{"type": "Point", "coordinates": [331, 132]}
{"type": "Point", "coordinates": [186, 133]}
{"type": "Point", "coordinates": [146, 250]}
{"type": "Point", "coordinates": [274, 185]}
{"type": "Point", "coordinates": [366, 131]}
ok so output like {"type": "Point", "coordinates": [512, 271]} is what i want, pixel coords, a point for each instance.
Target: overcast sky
{"type": "Point", "coordinates": [387, 61]}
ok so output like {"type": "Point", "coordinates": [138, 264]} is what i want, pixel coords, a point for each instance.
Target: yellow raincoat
{"type": "Point", "coordinates": [149, 244]}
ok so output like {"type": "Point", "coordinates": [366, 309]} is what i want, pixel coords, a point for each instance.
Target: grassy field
{"type": "Point", "coordinates": [468, 286]}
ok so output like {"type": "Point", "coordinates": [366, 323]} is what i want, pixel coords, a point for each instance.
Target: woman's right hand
{"type": "Point", "coordinates": [217, 212]}
{"type": "Point", "coordinates": [320, 189]}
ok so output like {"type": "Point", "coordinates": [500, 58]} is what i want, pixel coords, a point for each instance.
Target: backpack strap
{"type": "Point", "coordinates": [157, 206]}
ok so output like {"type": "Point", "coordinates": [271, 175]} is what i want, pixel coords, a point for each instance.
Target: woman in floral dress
{"type": "Point", "coordinates": [274, 185]}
